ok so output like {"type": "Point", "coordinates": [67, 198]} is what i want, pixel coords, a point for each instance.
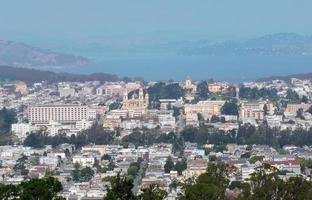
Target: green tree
{"type": "Point", "coordinates": [297, 188]}
{"type": "Point", "coordinates": [176, 111]}
{"type": "Point", "coordinates": [300, 113]}
{"type": "Point", "coordinates": [292, 96]}
{"type": "Point", "coordinates": [202, 90]}
{"type": "Point", "coordinates": [210, 185]}
{"type": "Point", "coordinates": [254, 159]}
{"type": "Point", "coordinates": [86, 174]}
{"type": "Point", "coordinates": [46, 188]}
{"type": "Point", "coordinates": [169, 165]}
{"type": "Point", "coordinates": [106, 157]}
{"type": "Point", "coordinates": [201, 191]}
{"type": "Point", "coordinates": [82, 175]}
{"type": "Point", "coordinates": [266, 184]}
{"type": "Point", "coordinates": [8, 192]}
{"type": "Point", "coordinates": [35, 140]}
{"type": "Point", "coordinates": [162, 90]}
{"type": "Point", "coordinates": [35, 189]}
{"type": "Point", "coordinates": [265, 109]}
{"type": "Point", "coordinates": [310, 110]}
{"type": "Point", "coordinates": [7, 118]}
{"type": "Point", "coordinates": [214, 119]}
{"type": "Point", "coordinates": [114, 106]}
{"type": "Point", "coordinates": [120, 189]}
{"type": "Point", "coordinates": [230, 108]}
{"type": "Point", "coordinates": [133, 169]}
{"type": "Point", "coordinates": [304, 99]}
{"type": "Point", "coordinates": [20, 163]}
{"type": "Point", "coordinates": [180, 166]}
{"type": "Point", "coordinates": [152, 193]}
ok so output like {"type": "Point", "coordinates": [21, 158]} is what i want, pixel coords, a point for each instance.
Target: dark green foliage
{"type": "Point", "coordinates": [248, 134]}
{"type": "Point", "coordinates": [20, 163]}
{"type": "Point", "coordinates": [246, 155]}
{"type": "Point", "coordinates": [304, 99]}
{"type": "Point", "coordinates": [214, 119]}
{"type": "Point", "coordinates": [310, 110]}
{"type": "Point", "coordinates": [235, 184]}
{"type": "Point", "coordinates": [41, 189]}
{"type": "Point", "coordinates": [204, 135]}
{"type": "Point", "coordinates": [82, 175]}
{"type": "Point", "coordinates": [133, 169]}
{"type": "Point", "coordinates": [96, 134]}
{"type": "Point", "coordinates": [152, 193]}
{"type": "Point", "coordinates": [106, 157]}
{"type": "Point", "coordinates": [180, 166]}
{"type": "Point", "coordinates": [265, 109]}
{"type": "Point", "coordinates": [300, 113]}
{"type": "Point", "coordinates": [169, 165]}
{"type": "Point", "coordinates": [153, 136]}
{"type": "Point", "coordinates": [7, 118]}
{"type": "Point", "coordinates": [35, 140]}
{"type": "Point", "coordinates": [230, 108]}
{"type": "Point", "coordinates": [255, 94]}
{"type": "Point", "coordinates": [120, 189]}
{"type": "Point", "coordinates": [266, 184]}
{"type": "Point", "coordinates": [163, 91]}
{"type": "Point", "coordinates": [219, 148]}
{"type": "Point", "coordinates": [176, 111]}
{"type": "Point", "coordinates": [254, 159]}
{"type": "Point", "coordinates": [114, 106]}
{"type": "Point", "coordinates": [210, 185]}
{"type": "Point", "coordinates": [292, 97]}
{"type": "Point", "coordinates": [202, 90]}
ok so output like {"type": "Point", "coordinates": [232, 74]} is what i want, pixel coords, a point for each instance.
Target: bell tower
{"type": "Point", "coordinates": [125, 96]}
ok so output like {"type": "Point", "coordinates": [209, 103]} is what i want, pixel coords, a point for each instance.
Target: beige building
{"type": "Point", "coordinates": [189, 85]}
{"type": "Point", "coordinates": [206, 108]}
{"type": "Point", "coordinates": [254, 110]}
{"type": "Point", "coordinates": [217, 87]}
{"type": "Point", "coordinates": [195, 168]}
{"type": "Point", "coordinates": [70, 113]}
{"type": "Point", "coordinates": [113, 90]}
{"type": "Point", "coordinates": [140, 103]}
{"type": "Point", "coordinates": [94, 148]}
{"type": "Point", "coordinates": [21, 87]}
{"type": "Point", "coordinates": [292, 109]}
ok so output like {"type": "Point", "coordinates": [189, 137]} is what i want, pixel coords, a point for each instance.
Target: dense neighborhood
{"type": "Point", "coordinates": [158, 136]}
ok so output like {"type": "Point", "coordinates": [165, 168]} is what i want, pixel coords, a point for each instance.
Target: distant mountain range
{"type": "Point", "coordinates": [281, 44]}
{"type": "Point", "coordinates": [22, 55]}
{"type": "Point", "coordinates": [287, 78]}
{"type": "Point", "coordinates": [34, 75]}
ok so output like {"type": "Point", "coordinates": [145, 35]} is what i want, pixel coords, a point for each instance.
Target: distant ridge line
{"type": "Point", "coordinates": [286, 78]}
{"type": "Point", "coordinates": [34, 75]}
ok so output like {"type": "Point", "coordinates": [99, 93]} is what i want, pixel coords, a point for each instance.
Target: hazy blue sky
{"type": "Point", "coordinates": [216, 19]}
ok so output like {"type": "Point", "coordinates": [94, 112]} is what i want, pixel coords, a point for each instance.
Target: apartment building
{"type": "Point", "coordinates": [67, 113]}
{"type": "Point", "coordinates": [206, 108]}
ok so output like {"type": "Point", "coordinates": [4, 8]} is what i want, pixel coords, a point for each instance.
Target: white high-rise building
{"type": "Point", "coordinates": [67, 113]}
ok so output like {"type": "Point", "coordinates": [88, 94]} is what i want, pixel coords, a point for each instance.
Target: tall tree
{"type": "Point", "coordinates": [230, 108]}
{"type": "Point", "coordinates": [169, 165]}
{"type": "Point", "coordinates": [120, 189]}
{"type": "Point", "coordinates": [202, 90]}
{"type": "Point", "coordinates": [152, 193]}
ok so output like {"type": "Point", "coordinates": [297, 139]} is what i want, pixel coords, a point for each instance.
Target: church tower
{"type": "Point", "coordinates": [125, 96]}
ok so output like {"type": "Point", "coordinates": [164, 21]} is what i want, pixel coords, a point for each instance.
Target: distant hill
{"type": "Point", "coordinates": [34, 75]}
{"type": "Point", "coordinates": [281, 44]}
{"type": "Point", "coordinates": [287, 78]}
{"type": "Point", "coordinates": [22, 55]}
